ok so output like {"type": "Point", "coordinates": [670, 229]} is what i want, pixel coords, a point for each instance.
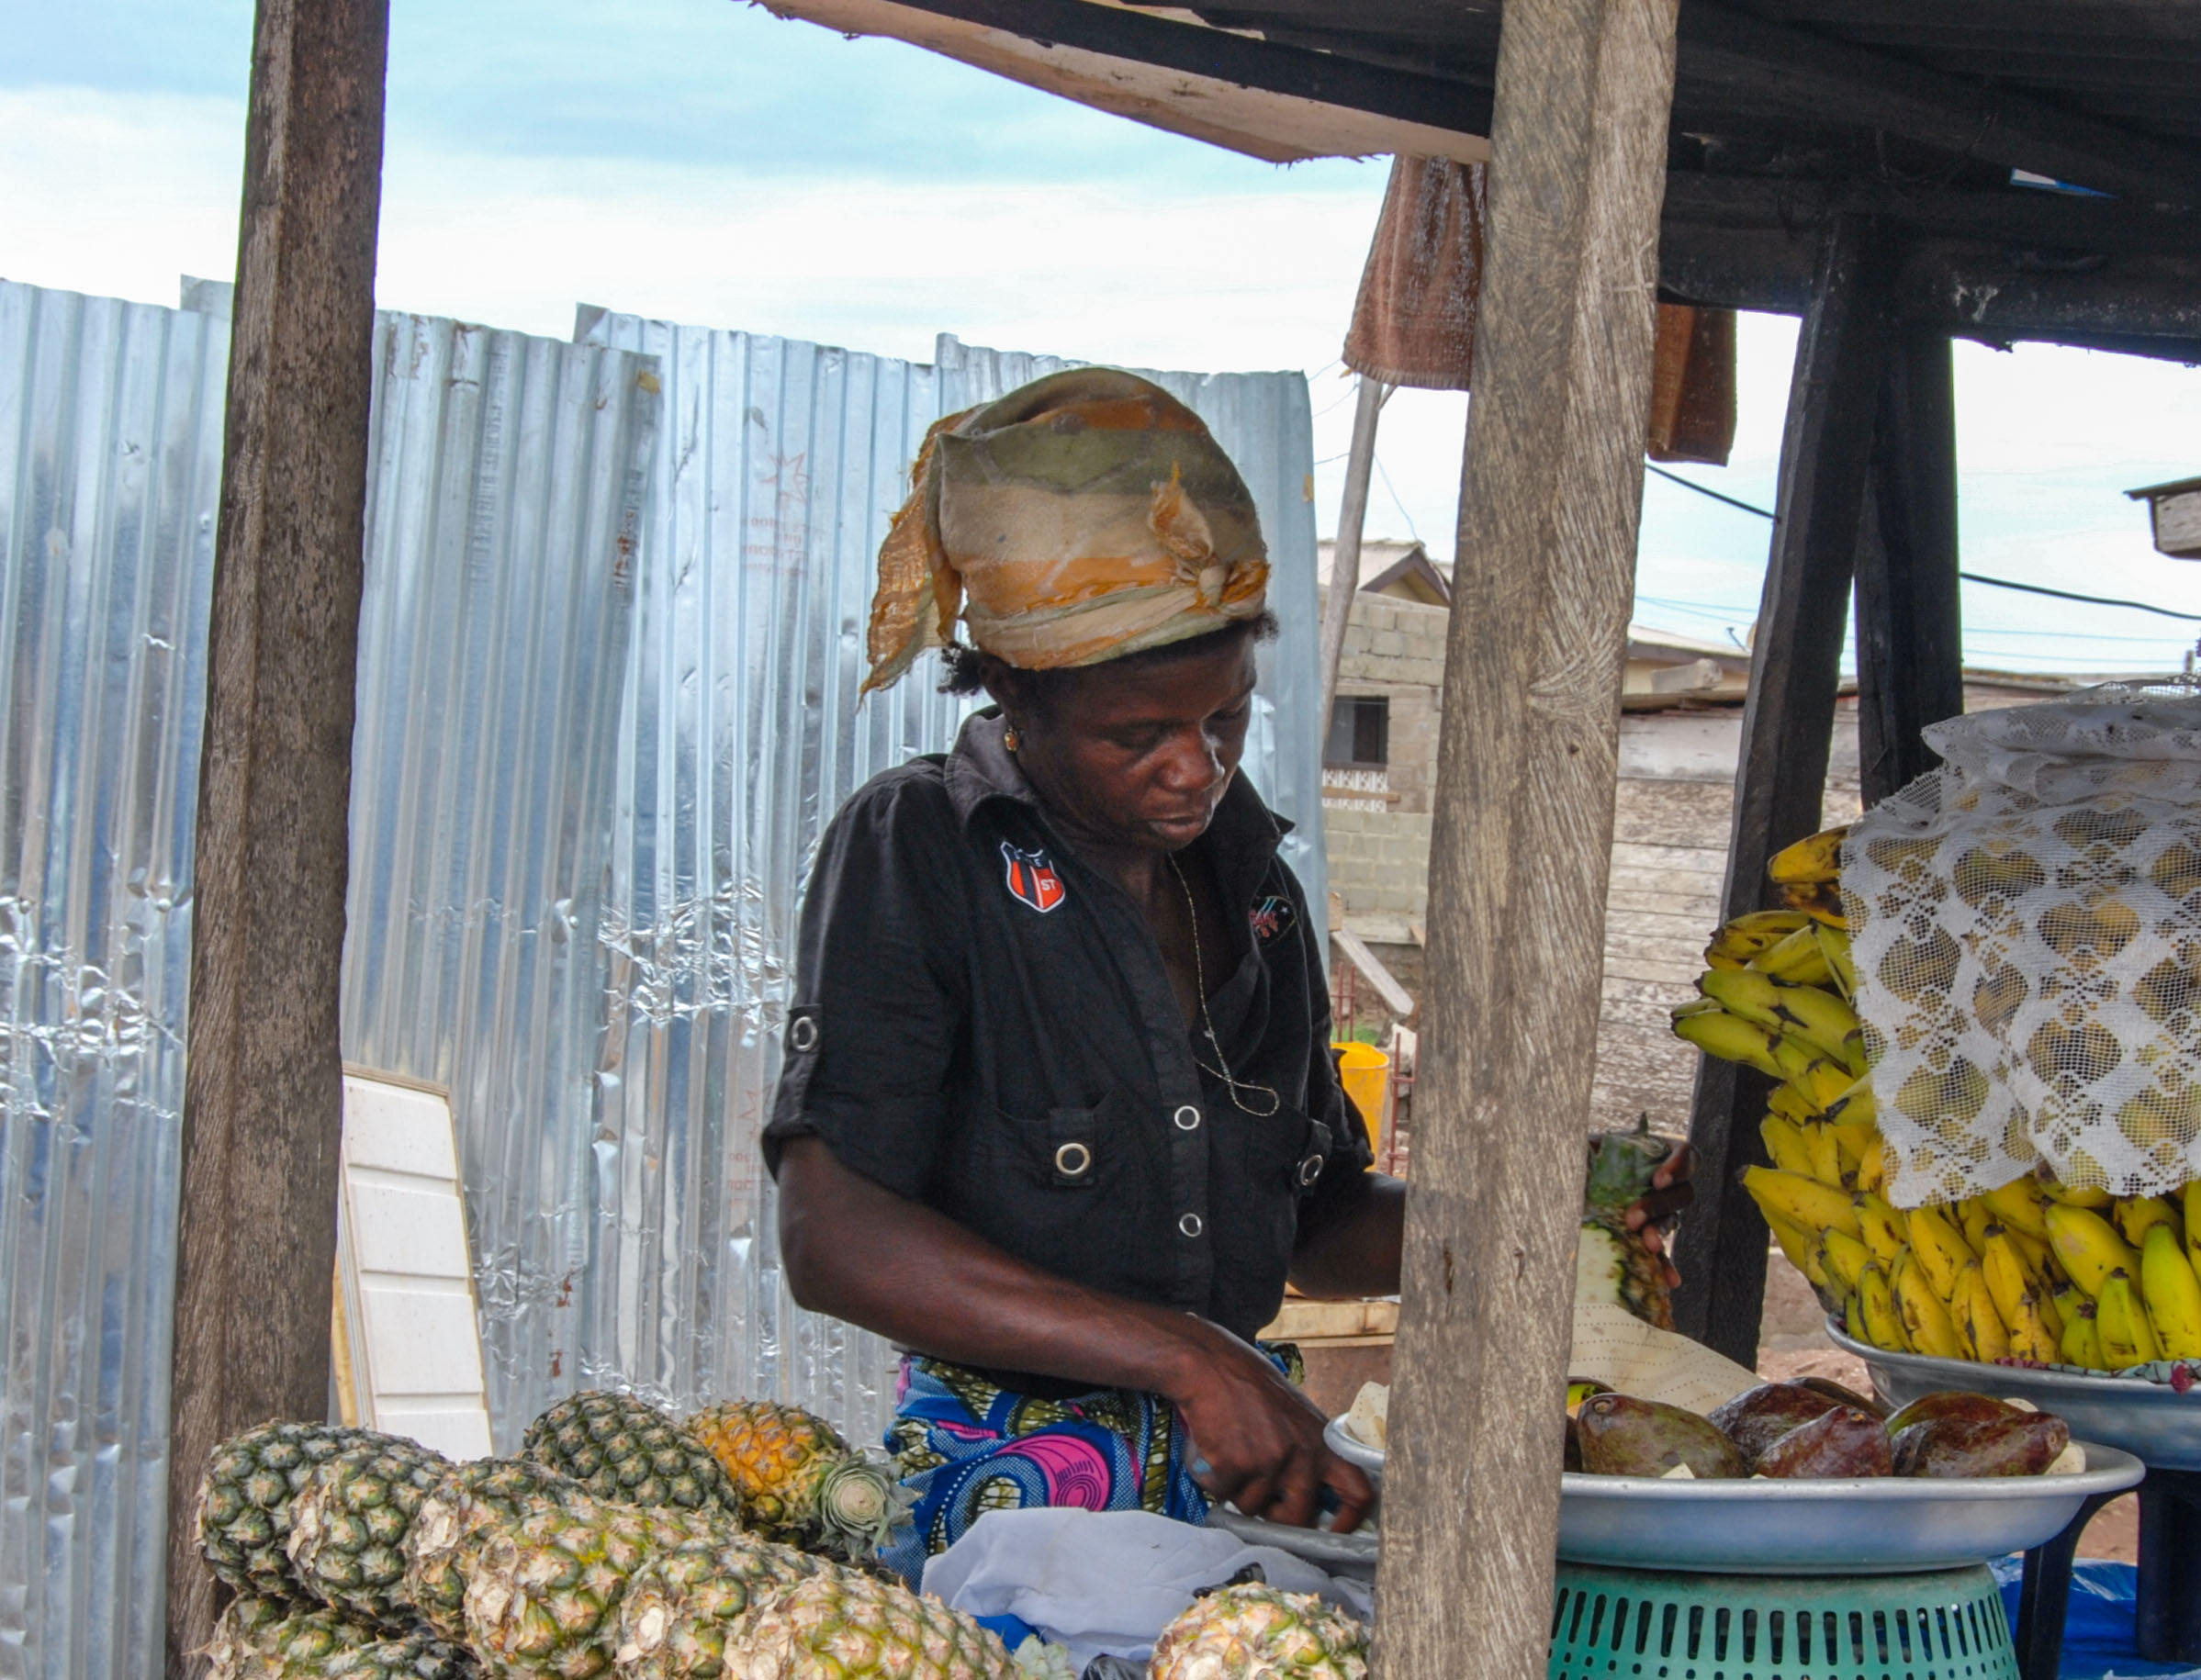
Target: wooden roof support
{"type": "Point", "coordinates": [1523, 824]}
{"type": "Point", "coordinates": [1788, 723]}
{"type": "Point", "coordinates": [1909, 617]}
{"type": "Point", "coordinates": [262, 1096]}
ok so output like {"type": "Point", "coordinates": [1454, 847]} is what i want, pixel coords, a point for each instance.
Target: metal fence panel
{"type": "Point", "coordinates": [505, 489]}
{"type": "Point", "coordinates": [110, 470]}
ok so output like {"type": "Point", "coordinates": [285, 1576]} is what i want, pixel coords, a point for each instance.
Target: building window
{"type": "Point", "coordinates": [1360, 732]}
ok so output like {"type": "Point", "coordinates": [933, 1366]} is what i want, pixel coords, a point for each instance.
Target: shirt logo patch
{"type": "Point", "coordinates": [1273, 917]}
{"type": "Point", "coordinates": [1031, 877]}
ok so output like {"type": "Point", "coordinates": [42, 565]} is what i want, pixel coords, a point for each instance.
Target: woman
{"type": "Point", "coordinates": [1059, 1113]}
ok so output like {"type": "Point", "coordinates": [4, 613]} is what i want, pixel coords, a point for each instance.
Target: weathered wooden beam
{"type": "Point", "coordinates": [2138, 303]}
{"type": "Point", "coordinates": [1909, 618]}
{"type": "Point", "coordinates": [263, 1089]}
{"type": "Point", "coordinates": [1523, 825]}
{"type": "Point", "coordinates": [1734, 63]}
{"type": "Point", "coordinates": [1197, 49]}
{"type": "Point", "coordinates": [1788, 723]}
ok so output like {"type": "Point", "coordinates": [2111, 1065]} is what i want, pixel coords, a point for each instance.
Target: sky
{"type": "Point", "coordinates": [704, 162]}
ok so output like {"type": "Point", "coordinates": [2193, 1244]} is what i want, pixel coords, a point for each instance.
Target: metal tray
{"type": "Point", "coordinates": [2151, 1420]}
{"type": "Point", "coordinates": [1871, 1526]}
{"type": "Point", "coordinates": [1351, 1555]}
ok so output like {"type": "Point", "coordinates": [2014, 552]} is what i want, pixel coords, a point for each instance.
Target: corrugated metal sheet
{"type": "Point", "coordinates": [506, 483]}
{"type": "Point", "coordinates": [782, 463]}
{"type": "Point", "coordinates": [110, 466]}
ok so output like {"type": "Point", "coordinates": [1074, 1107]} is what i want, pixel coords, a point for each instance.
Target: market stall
{"type": "Point", "coordinates": [1816, 159]}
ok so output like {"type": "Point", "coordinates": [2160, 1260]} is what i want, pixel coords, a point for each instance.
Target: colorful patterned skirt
{"type": "Point", "coordinates": [966, 1446]}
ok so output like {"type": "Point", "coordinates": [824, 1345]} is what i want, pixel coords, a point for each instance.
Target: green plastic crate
{"type": "Point", "coordinates": [1636, 1624]}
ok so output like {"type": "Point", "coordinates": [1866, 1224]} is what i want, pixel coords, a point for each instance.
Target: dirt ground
{"type": "Point", "coordinates": [1793, 1343]}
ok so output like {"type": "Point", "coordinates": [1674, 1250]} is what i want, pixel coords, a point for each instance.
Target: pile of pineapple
{"type": "Point", "coordinates": [622, 1544]}
{"type": "Point", "coordinates": [2033, 1271]}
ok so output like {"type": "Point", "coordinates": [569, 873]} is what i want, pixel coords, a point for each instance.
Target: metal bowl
{"type": "Point", "coordinates": [1349, 1447]}
{"type": "Point", "coordinates": [1877, 1525]}
{"type": "Point", "coordinates": [2151, 1420]}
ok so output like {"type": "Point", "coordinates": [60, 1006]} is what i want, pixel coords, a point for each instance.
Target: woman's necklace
{"type": "Point", "coordinates": [1199, 976]}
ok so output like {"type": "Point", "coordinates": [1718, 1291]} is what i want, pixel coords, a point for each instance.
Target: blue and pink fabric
{"type": "Point", "coordinates": [966, 1446]}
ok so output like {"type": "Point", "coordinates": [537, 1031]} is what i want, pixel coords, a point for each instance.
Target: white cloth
{"type": "Point", "coordinates": [1106, 1583]}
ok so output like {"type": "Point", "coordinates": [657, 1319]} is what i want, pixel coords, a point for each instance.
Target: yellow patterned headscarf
{"type": "Point", "coordinates": [1083, 517]}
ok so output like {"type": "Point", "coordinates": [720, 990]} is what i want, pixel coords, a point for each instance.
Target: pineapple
{"type": "Point", "coordinates": [679, 1609]}
{"type": "Point", "coordinates": [801, 1483]}
{"type": "Point", "coordinates": [348, 1527]}
{"type": "Point", "coordinates": [265, 1639]}
{"type": "Point", "coordinates": [842, 1624]}
{"type": "Point", "coordinates": [618, 1447]}
{"type": "Point", "coordinates": [1258, 1633]}
{"type": "Point", "coordinates": [1611, 1262]}
{"type": "Point", "coordinates": [542, 1592]}
{"type": "Point", "coordinates": [243, 1511]}
{"type": "Point", "coordinates": [447, 1533]}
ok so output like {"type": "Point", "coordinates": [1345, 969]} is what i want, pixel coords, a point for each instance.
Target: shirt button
{"type": "Point", "coordinates": [1192, 1224]}
{"type": "Point", "coordinates": [1187, 1118]}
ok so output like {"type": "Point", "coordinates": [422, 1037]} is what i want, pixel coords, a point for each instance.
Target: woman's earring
{"type": "Point", "coordinates": [1008, 737]}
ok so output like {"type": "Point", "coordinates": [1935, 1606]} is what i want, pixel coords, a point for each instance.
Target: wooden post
{"type": "Point", "coordinates": [1344, 552]}
{"type": "Point", "coordinates": [1522, 836]}
{"type": "Point", "coordinates": [263, 1087]}
{"type": "Point", "coordinates": [1910, 653]}
{"type": "Point", "coordinates": [1788, 723]}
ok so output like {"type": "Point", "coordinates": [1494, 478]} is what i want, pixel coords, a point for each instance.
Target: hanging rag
{"type": "Point", "coordinates": [1083, 517]}
{"type": "Point", "coordinates": [1414, 322]}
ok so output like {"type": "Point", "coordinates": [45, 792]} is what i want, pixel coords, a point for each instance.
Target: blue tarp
{"type": "Point", "coordinates": [2099, 1628]}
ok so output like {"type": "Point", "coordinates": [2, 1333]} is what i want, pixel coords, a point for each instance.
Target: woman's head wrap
{"type": "Point", "coordinates": [1083, 517]}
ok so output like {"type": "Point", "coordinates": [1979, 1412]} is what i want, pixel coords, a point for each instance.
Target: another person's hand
{"type": "Point", "coordinates": [1257, 1441]}
{"type": "Point", "coordinates": [1671, 1191]}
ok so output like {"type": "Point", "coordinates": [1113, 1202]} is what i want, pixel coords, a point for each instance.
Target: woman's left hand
{"type": "Point", "coordinates": [1671, 1191]}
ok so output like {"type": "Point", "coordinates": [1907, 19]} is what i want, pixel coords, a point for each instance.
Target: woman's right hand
{"type": "Point", "coordinates": [1257, 1441]}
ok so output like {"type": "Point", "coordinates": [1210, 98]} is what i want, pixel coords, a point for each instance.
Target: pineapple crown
{"type": "Point", "coordinates": [1621, 1165]}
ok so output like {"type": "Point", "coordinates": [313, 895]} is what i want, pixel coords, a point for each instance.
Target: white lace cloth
{"type": "Point", "coordinates": [2027, 927]}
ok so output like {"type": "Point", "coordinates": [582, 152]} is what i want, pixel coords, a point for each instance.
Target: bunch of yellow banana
{"type": "Point", "coordinates": [2033, 1271]}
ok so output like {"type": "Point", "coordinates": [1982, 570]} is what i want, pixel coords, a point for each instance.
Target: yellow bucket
{"type": "Point", "coordinates": [1366, 1072]}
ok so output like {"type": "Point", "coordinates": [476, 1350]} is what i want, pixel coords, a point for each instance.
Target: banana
{"type": "Point", "coordinates": [2128, 1336]}
{"type": "Point", "coordinates": [1805, 1203]}
{"type": "Point", "coordinates": [2007, 1280]}
{"type": "Point", "coordinates": [1747, 936]}
{"type": "Point", "coordinates": [1816, 857]}
{"type": "Point", "coordinates": [1986, 1338]}
{"type": "Point", "coordinates": [1797, 959]}
{"type": "Point", "coordinates": [2088, 1247]}
{"type": "Point", "coordinates": [1744, 992]}
{"type": "Point", "coordinates": [1825, 1153]}
{"type": "Point", "coordinates": [1801, 1251]}
{"type": "Point", "coordinates": [1853, 1316]}
{"type": "Point", "coordinates": [1856, 1105]}
{"type": "Point", "coordinates": [2190, 1199]}
{"type": "Point", "coordinates": [1853, 1140]}
{"type": "Point", "coordinates": [2033, 1334]}
{"type": "Point", "coordinates": [1872, 1165]}
{"type": "Point", "coordinates": [2134, 1216]}
{"type": "Point", "coordinates": [1833, 945]}
{"type": "Point", "coordinates": [2082, 1343]}
{"type": "Point", "coordinates": [2061, 1306]}
{"type": "Point", "coordinates": [1821, 1078]}
{"type": "Point", "coordinates": [1785, 1145]}
{"type": "Point", "coordinates": [1941, 1250]}
{"type": "Point", "coordinates": [2020, 1205]}
{"type": "Point", "coordinates": [2171, 1293]}
{"type": "Point", "coordinates": [1843, 1258]}
{"type": "Point", "coordinates": [2040, 1259]}
{"type": "Point", "coordinates": [2075, 1195]}
{"type": "Point", "coordinates": [1790, 1103]}
{"type": "Point", "coordinates": [1884, 1228]}
{"type": "Point", "coordinates": [1926, 1321]}
{"type": "Point", "coordinates": [1732, 1039]}
{"type": "Point", "coordinates": [1876, 1301]}
{"type": "Point", "coordinates": [1823, 1021]}
{"type": "Point", "coordinates": [1972, 1220]}
{"type": "Point", "coordinates": [1821, 901]}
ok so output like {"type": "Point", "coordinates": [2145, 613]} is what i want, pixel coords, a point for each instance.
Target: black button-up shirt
{"type": "Point", "coordinates": [984, 1025]}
